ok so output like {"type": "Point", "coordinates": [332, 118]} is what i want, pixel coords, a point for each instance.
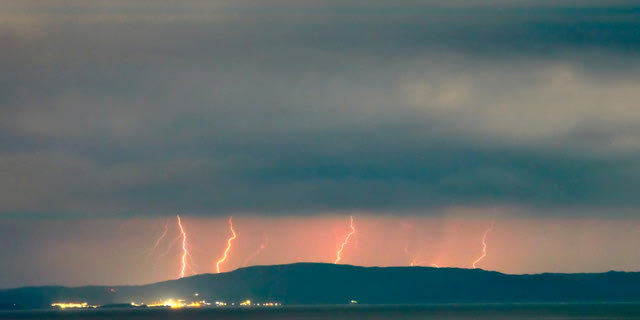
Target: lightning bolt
{"type": "Point", "coordinates": [185, 252]}
{"type": "Point", "coordinates": [226, 251]}
{"type": "Point", "coordinates": [346, 240]}
{"type": "Point", "coordinates": [170, 246]}
{"type": "Point", "coordinates": [166, 228]}
{"type": "Point", "coordinates": [263, 245]}
{"type": "Point", "coordinates": [151, 250]}
{"type": "Point", "coordinates": [484, 246]}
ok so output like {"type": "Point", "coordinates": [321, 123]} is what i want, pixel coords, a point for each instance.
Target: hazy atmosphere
{"type": "Point", "coordinates": [434, 124]}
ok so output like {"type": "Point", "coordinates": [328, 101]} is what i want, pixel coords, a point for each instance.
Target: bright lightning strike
{"type": "Point", "coordinates": [346, 240]}
{"type": "Point", "coordinates": [484, 246]}
{"type": "Point", "coordinates": [185, 252]}
{"type": "Point", "coordinates": [226, 251]}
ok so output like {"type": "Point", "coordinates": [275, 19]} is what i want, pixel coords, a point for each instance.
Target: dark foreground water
{"type": "Point", "coordinates": [476, 311]}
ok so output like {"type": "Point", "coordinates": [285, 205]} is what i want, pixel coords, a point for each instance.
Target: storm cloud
{"type": "Point", "coordinates": [119, 108]}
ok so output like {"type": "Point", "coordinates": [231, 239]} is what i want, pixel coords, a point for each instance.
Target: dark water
{"type": "Point", "coordinates": [477, 311]}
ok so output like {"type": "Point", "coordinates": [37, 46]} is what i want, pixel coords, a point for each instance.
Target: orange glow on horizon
{"type": "Point", "coordinates": [346, 240]}
{"type": "Point", "coordinates": [226, 251]}
{"type": "Point", "coordinates": [514, 245]}
{"type": "Point", "coordinates": [416, 263]}
{"type": "Point", "coordinates": [484, 246]}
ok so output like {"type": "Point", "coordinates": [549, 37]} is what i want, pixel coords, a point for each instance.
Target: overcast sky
{"type": "Point", "coordinates": [120, 109]}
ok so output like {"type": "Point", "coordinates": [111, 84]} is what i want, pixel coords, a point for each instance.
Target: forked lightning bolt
{"type": "Point", "coordinates": [346, 240]}
{"type": "Point", "coordinates": [484, 246]}
{"type": "Point", "coordinates": [226, 251]}
{"type": "Point", "coordinates": [185, 252]}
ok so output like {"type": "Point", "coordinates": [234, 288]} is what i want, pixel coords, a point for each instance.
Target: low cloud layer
{"type": "Point", "coordinates": [213, 108]}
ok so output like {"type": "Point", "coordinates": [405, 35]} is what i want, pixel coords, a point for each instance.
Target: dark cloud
{"type": "Point", "coordinates": [219, 107]}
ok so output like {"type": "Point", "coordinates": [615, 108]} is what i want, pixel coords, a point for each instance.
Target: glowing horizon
{"type": "Point", "coordinates": [516, 247]}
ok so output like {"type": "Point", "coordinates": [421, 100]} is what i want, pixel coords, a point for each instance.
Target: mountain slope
{"type": "Point", "coordinates": [314, 283]}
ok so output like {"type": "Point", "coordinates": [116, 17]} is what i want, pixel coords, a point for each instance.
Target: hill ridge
{"type": "Point", "coordinates": [324, 283]}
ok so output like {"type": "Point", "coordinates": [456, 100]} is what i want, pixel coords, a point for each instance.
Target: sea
{"type": "Point", "coordinates": [556, 311]}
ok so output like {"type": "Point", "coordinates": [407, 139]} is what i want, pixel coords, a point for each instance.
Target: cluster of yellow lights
{"type": "Point", "coordinates": [248, 303]}
{"type": "Point", "coordinates": [72, 305]}
{"type": "Point", "coordinates": [170, 303]}
{"type": "Point", "coordinates": [264, 304]}
{"type": "Point", "coordinates": [179, 303]}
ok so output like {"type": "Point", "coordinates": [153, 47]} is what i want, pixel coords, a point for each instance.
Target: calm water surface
{"type": "Point", "coordinates": [476, 311]}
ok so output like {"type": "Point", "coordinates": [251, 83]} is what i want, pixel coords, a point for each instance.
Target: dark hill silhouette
{"type": "Point", "coordinates": [316, 283]}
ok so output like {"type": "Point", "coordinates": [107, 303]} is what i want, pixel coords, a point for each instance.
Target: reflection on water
{"type": "Point", "coordinates": [449, 311]}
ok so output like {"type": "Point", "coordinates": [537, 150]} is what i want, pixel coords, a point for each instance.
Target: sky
{"type": "Point", "coordinates": [427, 121]}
